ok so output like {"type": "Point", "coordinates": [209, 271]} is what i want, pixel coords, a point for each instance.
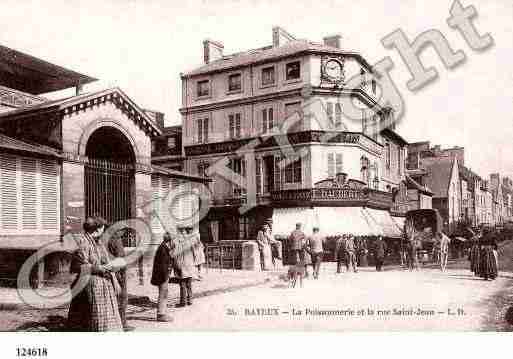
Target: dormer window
{"type": "Point", "coordinates": [203, 88]}
{"type": "Point", "coordinates": [268, 76]}
{"type": "Point", "coordinates": [235, 82]}
{"type": "Point", "coordinates": [293, 71]}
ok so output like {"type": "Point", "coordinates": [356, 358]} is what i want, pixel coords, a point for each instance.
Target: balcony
{"type": "Point", "coordinates": [333, 196]}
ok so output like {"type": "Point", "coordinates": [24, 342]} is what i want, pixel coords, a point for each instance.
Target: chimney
{"type": "Point", "coordinates": [332, 40]}
{"type": "Point", "coordinates": [212, 50]}
{"type": "Point", "coordinates": [281, 37]}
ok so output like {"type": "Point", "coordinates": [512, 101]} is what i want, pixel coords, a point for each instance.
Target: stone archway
{"type": "Point", "coordinates": [109, 175]}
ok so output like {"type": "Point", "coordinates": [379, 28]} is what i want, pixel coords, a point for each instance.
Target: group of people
{"type": "Point", "coordinates": [349, 251]}
{"type": "Point", "coordinates": [483, 256]}
{"type": "Point", "coordinates": [99, 290]}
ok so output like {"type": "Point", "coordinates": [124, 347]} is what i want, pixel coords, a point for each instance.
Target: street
{"type": "Point", "coordinates": [385, 301]}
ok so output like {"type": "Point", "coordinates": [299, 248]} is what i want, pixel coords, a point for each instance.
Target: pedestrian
{"type": "Point", "coordinates": [379, 253]}
{"type": "Point", "coordinates": [444, 241]}
{"type": "Point", "coordinates": [198, 249]}
{"type": "Point", "coordinates": [475, 250]}
{"type": "Point", "coordinates": [350, 253]}
{"type": "Point", "coordinates": [160, 275]}
{"type": "Point", "coordinates": [264, 242]}
{"type": "Point", "coordinates": [182, 262]}
{"type": "Point", "coordinates": [362, 252]}
{"type": "Point", "coordinates": [411, 248]}
{"type": "Point", "coordinates": [340, 252]}
{"type": "Point", "coordinates": [315, 248]}
{"type": "Point", "coordinates": [95, 307]}
{"type": "Point", "coordinates": [488, 263]}
{"type": "Point", "coordinates": [117, 250]}
{"type": "Point", "coordinates": [296, 243]}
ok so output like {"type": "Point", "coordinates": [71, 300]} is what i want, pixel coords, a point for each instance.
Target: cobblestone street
{"type": "Point", "coordinates": [454, 300]}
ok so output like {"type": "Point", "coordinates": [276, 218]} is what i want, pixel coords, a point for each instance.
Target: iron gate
{"type": "Point", "coordinates": [108, 192]}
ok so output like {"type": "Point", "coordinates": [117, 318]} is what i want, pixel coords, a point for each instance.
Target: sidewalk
{"type": "Point", "coordinates": [214, 281]}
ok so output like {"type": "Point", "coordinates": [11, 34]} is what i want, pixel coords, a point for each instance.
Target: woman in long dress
{"type": "Point", "coordinates": [264, 241]}
{"type": "Point", "coordinates": [487, 259]}
{"type": "Point", "coordinates": [198, 250]}
{"type": "Point", "coordinates": [474, 255]}
{"type": "Point", "coordinates": [95, 307]}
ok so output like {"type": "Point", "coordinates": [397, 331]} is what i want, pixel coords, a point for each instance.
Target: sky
{"type": "Point", "coordinates": [142, 46]}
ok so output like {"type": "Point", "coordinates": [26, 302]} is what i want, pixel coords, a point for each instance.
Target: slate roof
{"type": "Point", "coordinates": [438, 176]}
{"type": "Point", "coordinates": [270, 53]}
{"type": "Point", "coordinates": [12, 144]}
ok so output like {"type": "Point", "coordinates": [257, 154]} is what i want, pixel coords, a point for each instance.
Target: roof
{"type": "Point", "coordinates": [439, 176]}
{"type": "Point", "coordinates": [172, 130]}
{"type": "Point", "coordinates": [12, 144]}
{"type": "Point", "coordinates": [270, 53]}
{"type": "Point", "coordinates": [62, 104]}
{"type": "Point", "coordinates": [35, 76]}
{"type": "Point", "coordinates": [394, 136]}
{"type": "Point", "coordinates": [178, 174]}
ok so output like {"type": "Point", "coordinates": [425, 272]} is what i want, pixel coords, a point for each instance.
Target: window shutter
{"type": "Point", "coordinates": [200, 131]}
{"type": "Point", "coordinates": [237, 125]}
{"type": "Point", "coordinates": [331, 167]}
{"type": "Point", "coordinates": [205, 130]}
{"type": "Point", "coordinates": [29, 193]}
{"type": "Point", "coordinates": [258, 175]}
{"type": "Point", "coordinates": [50, 199]}
{"type": "Point", "coordinates": [329, 112]}
{"type": "Point", "coordinates": [271, 118]}
{"type": "Point", "coordinates": [277, 173]}
{"type": "Point", "coordinates": [231, 126]}
{"type": "Point", "coordinates": [8, 192]}
{"type": "Point", "coordinates": [338, 114]}
{"type": "Point", "coordinates": [264, 120]}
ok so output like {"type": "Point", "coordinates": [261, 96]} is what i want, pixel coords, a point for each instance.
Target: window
{"type": "Point", "coordinates": [387, 155]}
{"type": "Point", "coordinates": [235, 82]}
{"type": "Point", "coordinates": [267, 119]}
{"type": "Point", "coordinates": [203, 88]}
{"type": "Point", "coordinates": [399, 161]}
{"type": "Point", "coordinates": [234, 122]}
{"type": "Point", "coordinates": [268, 76]}
{"type": "Point", "coordinates": [238, 166]}
{"type": "Point", "coordinates": [202, 169]}
{"type": "Point", "coordinates": [258, 175]}
{"type": "Point", "coordinates": [244, 227]}
{"type": "Point", "coordinates": [294, 122]}
{"type": "Point", "coordinates": [293, 172]}
{"type": "Point", "coordinates": [171, 142]}
{"type": "Point", "coordinates": [292, 71]}
{"type": "Point", "coordinates": [335, 164]}
{"type": "Point", "coordinates": [365, 170]}
{"type": "Point", "coordinates": [202, 130]}
{"type": "Point", "coordinates": [153, 146]}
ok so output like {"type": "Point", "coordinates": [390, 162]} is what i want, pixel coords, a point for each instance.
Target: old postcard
{"type": "Point", "coordinates": [268, 166]}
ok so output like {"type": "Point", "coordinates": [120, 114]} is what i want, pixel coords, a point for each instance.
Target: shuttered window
{"type": "Point", "coordinates": [29, 195]}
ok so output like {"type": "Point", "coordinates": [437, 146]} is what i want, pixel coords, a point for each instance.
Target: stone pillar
{"type": "Point", "coordinates": [73, 194]}
{"type": "Point", "coordinates": [250, 256]}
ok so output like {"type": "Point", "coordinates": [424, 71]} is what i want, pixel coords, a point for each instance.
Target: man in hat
{"type": "Point", "coordinates": [160, 275]}
{"type": "Point", "coordinates": [340, 253]}
{"type": "Point", "coordinates": [350, 253]}
{"type": "Point", "coordinates": [296, 243]}
{"type": "Point", "coordinates": [315, 248]}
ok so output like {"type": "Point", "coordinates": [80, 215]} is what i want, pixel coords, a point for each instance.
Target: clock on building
{"type": "Point", "coordinates": [333, 70]}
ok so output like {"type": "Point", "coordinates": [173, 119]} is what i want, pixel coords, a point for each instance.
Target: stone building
{"type": "Point", "coordinates": [268, 126]}
{"type": "Point", "coordinates": [63, 160]}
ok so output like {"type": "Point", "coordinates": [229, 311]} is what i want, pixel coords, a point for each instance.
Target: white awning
{"type": "Point", "coordinates": [344, 220]}
{"type": "Point", "coordinates": [332, 221]}
{"type": "Point", "coordinates": [384, 221]}
{"type": "Point", "coordinates": [285, 219]}
{"type": "Point", "coordinates": [399, 222]}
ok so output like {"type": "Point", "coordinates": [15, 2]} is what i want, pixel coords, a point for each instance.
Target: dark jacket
{"type": "Point", "coordinates": [117, 250]}
{"type": "Point", "coordinates": [161, 265]}
{"type": "Point", "coordinates": [381, 249]}
{"type": "Point", "coordinates": [297, 240]}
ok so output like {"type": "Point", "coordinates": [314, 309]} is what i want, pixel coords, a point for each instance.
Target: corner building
{"type": "Point", "coordinates": [252, 109]}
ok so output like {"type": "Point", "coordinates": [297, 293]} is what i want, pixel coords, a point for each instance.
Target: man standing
{"type": "Point", "coordinates": [297, 241]}
{"type": "Point", "coordinates": [160, 275]}
{"type": "Point", "coordinates": [315, 247]}
{"type": "Point", "coordinates": [350, 253]}
{"type": "Point", "coordinates": [340, 252]}
{"type": "Point", "coordinates": [381, 248]}
{"type": "Point", "coordinates": [444, 250]}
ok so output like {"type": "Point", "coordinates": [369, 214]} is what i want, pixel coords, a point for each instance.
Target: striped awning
{"type": "Point", "coordinates": [384, 222]}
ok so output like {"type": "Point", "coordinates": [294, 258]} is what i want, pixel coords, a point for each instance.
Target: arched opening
{"type": "Point", "coordinates": [109, 175]}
